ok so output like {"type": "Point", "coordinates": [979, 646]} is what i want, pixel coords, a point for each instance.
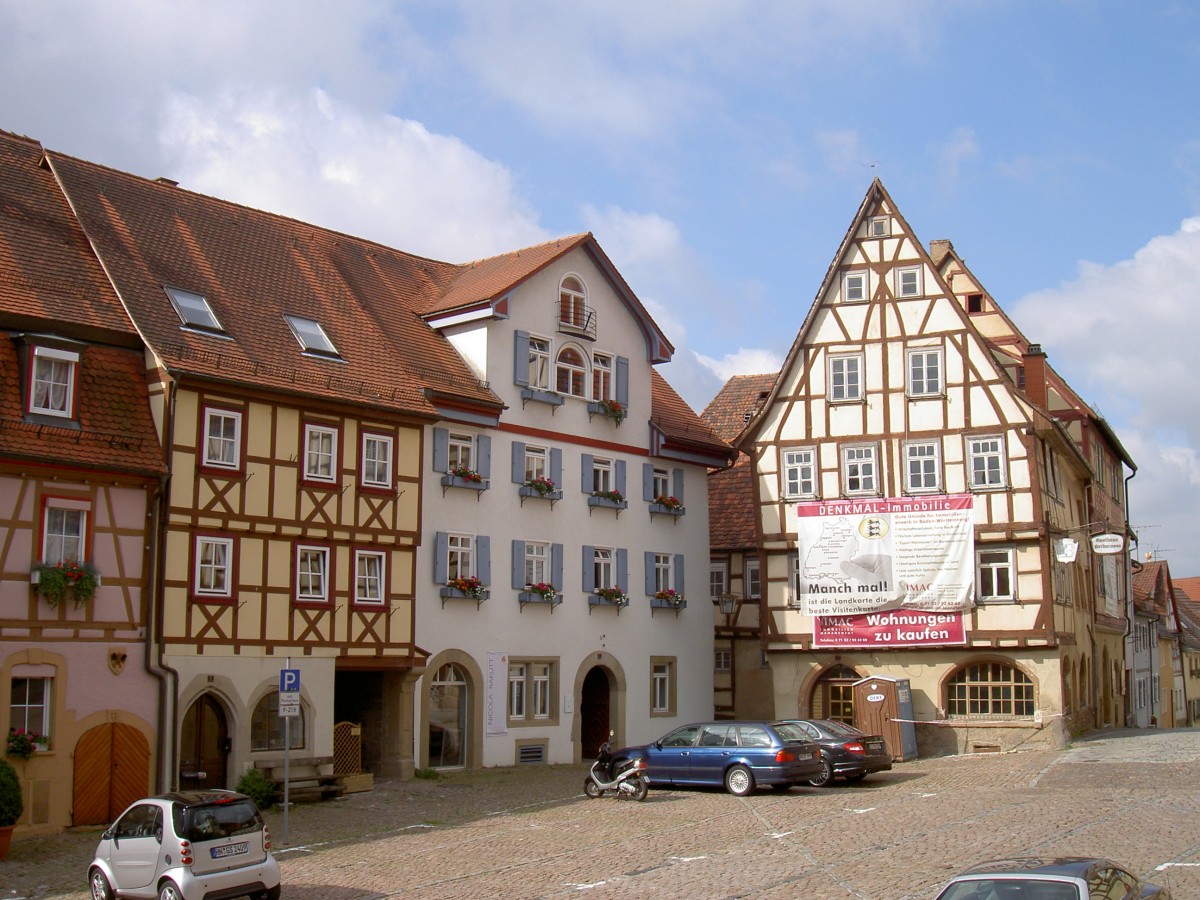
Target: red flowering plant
{"type": "Point", "coordinates": [466, 474]}
{"type": "Point", "coordinates": [612, 409]}
{"type": "Point", "coordinates": [544, 590]}
{"type": "Point", "coordinates": [23, 744]}
{"type": "Point", "coordinates": [613, 595]}
{"type": "Point", "coordinates": [542, 485]}
{"type": "Point", "coordinates": [469, 585]}
{"type": "Point", "coordinates": [58, 580]}
{"type": "Point", "coordinates": [614, 496]}
{"type": "Point", "coordinates": [668, 502]}
{"type": "Point", "coordinates": [671, 596]}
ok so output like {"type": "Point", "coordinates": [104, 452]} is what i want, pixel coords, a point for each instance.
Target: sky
{"type": "Point", "coordinates": [717, 149]}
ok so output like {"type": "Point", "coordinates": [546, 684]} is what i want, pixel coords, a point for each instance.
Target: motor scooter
{"type": "Point", "coordinates": [626, 776]}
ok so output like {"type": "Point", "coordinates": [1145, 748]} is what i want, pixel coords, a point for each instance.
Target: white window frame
{"type": "Point", "coordinates": [460, 555]}
{"type": "Point", "coordinates": [603, 475]}
{"type": "Point", "coordinates": [989, 449]}
{"type": "Point", "coordinates": [222, 450]}
{"type": "Point", "coordinates": [917, 370]}
{"type": "Point", "coordinates": [537, 463]}
{"type": "Point", "coordinates": [927, 478]}
{"type": "Point", "coordinates": [64, 523]}
{"type": "Point", "coordinates": [214, 567]}
{"type": "Point", "coordinates": [571, 377]}
{"type": "Point", "coordinates": [377, 464]}
{"type": "Point", "coordinates": [52, 377]}
{"type": "Point", "coordinates": [856, 286]}
{"type": "Point", "coordinates": [660, 690]}
{"type": "Point", "coordinates": [370, 576]}
{"type": "Point", "coordinates": [879, 226]}
{"type": "Point", "coordinates": [722, 660]}
{"type": "Point", "coordinates": [539, 363]}
{"type": "Point", "coordinates": [718, 579]}
{"type": "Point", "coordinates": [537, 562]}
{"type": "Point", "coordinates": [861, 462]}
{"type": "Point", "coordinates": [800, 472]}
{"type": "Point", "coordinates": [845, 374]}
{"type": "Point", "coordinates": [602, 376]}
{"type": "Point", "coordinates": [604, 567]}
{"type": "Point", "coordinates": [660, 483]}
{"type": "Point", "coordinates": [541, 676]}
{"type": "Point", "coordinates": [909, 282]}
{"type": "Point", "coordinates": [460, 451]}
{"type": "Point", "coordinates": [531, 690]}
{"type": "Point", "coordinates": [518, 674]}
{"type": "Point", "coordinates": [20, 707]}
{"type": "Point", "coordinates": [664, 569]}
{"type": "Point", "coordinates": [572, 302]}
{"type": "Point", "coordinates": [312, 573]}
{"type": "Point", "coordinates": [752, 579]}
{"type": "Point", "coordinates": [319, 456]}
{"type": "Point", "coordinates": [992, 561]}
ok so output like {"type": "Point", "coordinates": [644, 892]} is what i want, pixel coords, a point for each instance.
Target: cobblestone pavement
{"type": "Point", "coordinates": [1133, 796]}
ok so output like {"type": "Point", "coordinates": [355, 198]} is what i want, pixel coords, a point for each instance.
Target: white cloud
{"type": "Point", "coordinates": [743, 361]}
{"type": "Point", "coordinates": [960, 148]}
{"type": "Point", "coordinates": [842, 151]}
{"type": "Point", "coordinates": [371, 175]}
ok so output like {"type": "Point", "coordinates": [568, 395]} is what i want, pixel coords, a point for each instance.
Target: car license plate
{"type": "Point", "coordinates": [874, 745]}
{"type": "Point", "coordinates": [230, 850]}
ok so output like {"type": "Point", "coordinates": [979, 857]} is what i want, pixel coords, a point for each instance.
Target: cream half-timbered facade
{"type": "Point", "coordinates": [80, 471]}
{"type": "Point", "coordinates": [913, 506]}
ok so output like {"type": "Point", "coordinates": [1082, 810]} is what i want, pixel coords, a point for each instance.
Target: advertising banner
{"type": "Point", "coordinates": [862, 556]}
{"type": "Point", "coordinates": [495, 712]}
{"type": "Point", "coordinates": [895, 628]}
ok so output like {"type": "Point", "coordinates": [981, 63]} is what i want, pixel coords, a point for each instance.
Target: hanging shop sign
{"type": "Point", "coordinates": [1105, 544]}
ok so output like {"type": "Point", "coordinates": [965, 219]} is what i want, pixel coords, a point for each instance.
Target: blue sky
{"type": "Point", "coordinates": [718, 150]}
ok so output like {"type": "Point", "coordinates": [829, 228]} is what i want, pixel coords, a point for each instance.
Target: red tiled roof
{"type": "Point", "coordinates": [254, 268]}
{"type": "Point", "coordinates": [740, 395]}
{"type": "Point", "coordinates": [680, 425]}
{"type": "Point", "coordinates": [1151, 585]}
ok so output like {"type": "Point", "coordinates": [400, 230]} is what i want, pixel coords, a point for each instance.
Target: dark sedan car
{"type": "Point", "coordinates": [846, 752]}
{"type": "Point", "coordinates": [736, 755]}
{"type": "Point", "coordinates": [1071, 878]}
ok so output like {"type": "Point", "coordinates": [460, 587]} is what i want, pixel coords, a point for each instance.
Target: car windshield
{"type": "Point", "coordinates": [1010, 889]}
{"type": "Point", "coordinates": [842, 729]}
{"type": "Point", "coordinates": [212, 821]}
{"type": "Point", "coordinates": [790, 732]}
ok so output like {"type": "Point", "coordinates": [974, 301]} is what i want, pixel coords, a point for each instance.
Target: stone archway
{"type": "Point", "coordinates": [204, 745]}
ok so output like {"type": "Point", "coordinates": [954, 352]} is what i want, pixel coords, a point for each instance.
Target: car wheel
{"type": "Point", "coordinates": [101, 890]}
{"type": "Point", "coordinates": [591, 788]}
{"type": "Point", "coordinates": [739, 781]}
{"type": "Point", "coordinates": [272, 893]}
{"type": "Point", "coordinates": [855, 779]}
{"type": "Point", "coordinates": [826, 775]}
{"type": "Point", "coordinates": [169, 891]}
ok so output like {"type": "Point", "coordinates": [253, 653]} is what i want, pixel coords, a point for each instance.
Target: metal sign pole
{"type": "Point", "coordinates": [287, 759]}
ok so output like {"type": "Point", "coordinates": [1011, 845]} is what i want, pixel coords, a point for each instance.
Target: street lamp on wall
{"type": "Point", "coordinates": [726, 603]}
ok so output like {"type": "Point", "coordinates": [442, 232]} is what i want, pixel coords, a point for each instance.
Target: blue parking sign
{"type": "Point", "coordinates": [289, 680]}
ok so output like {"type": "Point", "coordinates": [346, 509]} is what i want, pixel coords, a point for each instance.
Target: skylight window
{"type": "Point", "coordinates": [193, 310]}
{"type": "Point", "coordinates": [311, 336]}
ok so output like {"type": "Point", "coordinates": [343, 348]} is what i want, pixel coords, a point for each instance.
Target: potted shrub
{"type": "Point", "coordinates": [11, 805]}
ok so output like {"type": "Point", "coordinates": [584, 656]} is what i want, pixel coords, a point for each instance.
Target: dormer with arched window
{"type": "Point", "coordinates": [575, 316]}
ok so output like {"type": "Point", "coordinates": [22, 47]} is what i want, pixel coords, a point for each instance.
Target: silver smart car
{"type": "Point", "coordinates": [185, 846]}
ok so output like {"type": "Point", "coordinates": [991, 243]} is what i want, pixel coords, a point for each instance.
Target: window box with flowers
{"type": "Point", "coordinates": [58, 581]}
{"type": "Point", "coordinates": [23, 744]}
{"type": "Point", "coordinates": [668, 599]}
{"type": "Point", "coordinates": [543, 488]}
{"type": "Point", "coordinates": [463, 477]}
{"type": "Point", "coordinates": [609, 596]}
{"type": "Point", "coordinates": [610, 409]}
{"type": "Point", "coordinates": [663, 505]}
{"type": "Point", "coordinates": [539, 395]}
{"type": "Point", "coordinates": [465, 588]}
{"type": "Point", "coordinates": [539, 593]}
{"type": "Point", "coordinates": [608, 500]}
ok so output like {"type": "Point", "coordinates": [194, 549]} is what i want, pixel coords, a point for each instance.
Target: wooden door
{"type": "Point", "coordinates": [203, 745]}
{"type": "Point", "coordinates": [112, 770]}
{"type": "Point", "coordinates": [593, 708]}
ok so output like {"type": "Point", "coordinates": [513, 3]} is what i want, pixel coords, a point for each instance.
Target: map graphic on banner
{"type": "Point", "coordinates": [862, 556]}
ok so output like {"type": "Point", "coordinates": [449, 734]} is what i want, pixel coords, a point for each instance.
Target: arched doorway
{"type": "Point", "coordinates": [594, 711]}
{"type": "Point", "coordinates": [449, 705]}
{"type": "Point", "coordinates": [204, 745]}
{"type": "Point", "coordinates": [112, 770]}
{"type": "Point", "coordinates": [833, 694]}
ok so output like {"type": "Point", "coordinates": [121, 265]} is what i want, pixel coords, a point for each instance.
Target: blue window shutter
{"type": "Point", "coordinates": [677, 483]}
{"type": "Point", "coordinates": [556, 468]}
{"type": "Point", "coordinates": [623, 381]}
{"type": "Point", "coordinates": [518, 565]}
{"type": "Point", "coordinates": [483, 558]}
{"type": "Point", "coordinates": [556, 565]}
{"type": "Point", "coordinates": [679, 567]}
{"type": "Point", "coordinates": [521, 359]}
{"type": "Point", "coordinates": [441, 562]}
{"type": "Point", "coordinates": [623, 570]}
{"type": "Point", "coordinates": [518, 462]}
{"type": "Point", "coordinates": [647, 481]}
{"type": "Point", "coordinates": [649, 573]}
{"type": "Point", "coordinates": [483, 447]}
{"type": "Point", "coordinates": [441, 450]}
{"type": "Point", "coordinates": [589, 569]}
{"type": "Point", "coordinates": [619, 474]}
{"type": "Point", "coordinates": [585, 473]}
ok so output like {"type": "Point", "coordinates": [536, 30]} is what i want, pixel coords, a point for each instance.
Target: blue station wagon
{"type": "Point", "coordinates": [736, 755]}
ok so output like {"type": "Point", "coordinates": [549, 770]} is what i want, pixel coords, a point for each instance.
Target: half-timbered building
{"type": "Point", "coordinates": [918, 512]}
{"type": "Point", "coordinates": [80, 470]}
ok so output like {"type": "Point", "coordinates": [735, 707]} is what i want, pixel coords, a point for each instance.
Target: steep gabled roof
{"type": "Point", "coordinates": [678, 432]}
{"type": "Point", "coordinates": [255, 268]}
{"type": "Point", "coordinates": [736, 403]}
{"type": "Point", "coordinates": [732, 519]}
{"type": "Point", "coordinates": [1187, 606]}
{"type": "Point", "coordinates": [51, 284]}
{"type": "Point", "coordinates": [1152, 588]}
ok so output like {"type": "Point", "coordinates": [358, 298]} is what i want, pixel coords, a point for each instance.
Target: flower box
{"type": "Point", "coordinates": [469, 483]}
{"type": "Point", "coordinates": [524, 597]}
{"type": "Point", "coordinates": [610, 409]}
{"type": "Point", "coordinates": [662, 603]}
{"type": "Point", "coordinates": [537, 395]}
{"type": "Point", "coordinates": [527, 491]}
{"type": "Point", "coordinates": [607, 502]}
{"type": "Point", "coordinates": [660, 509]}
{"type": "Point", "coordinates": [449, 593]}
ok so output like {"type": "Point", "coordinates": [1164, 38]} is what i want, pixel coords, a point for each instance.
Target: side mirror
{"type": "Point", "coordinates": [658, 745]}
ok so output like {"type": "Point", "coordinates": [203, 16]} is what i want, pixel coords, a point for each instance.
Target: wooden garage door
{"type": "Point", "coordinates": [112, 769]}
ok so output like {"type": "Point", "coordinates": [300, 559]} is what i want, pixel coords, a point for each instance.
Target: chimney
{"type": "Point", "coordinates": [1034, 364]}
